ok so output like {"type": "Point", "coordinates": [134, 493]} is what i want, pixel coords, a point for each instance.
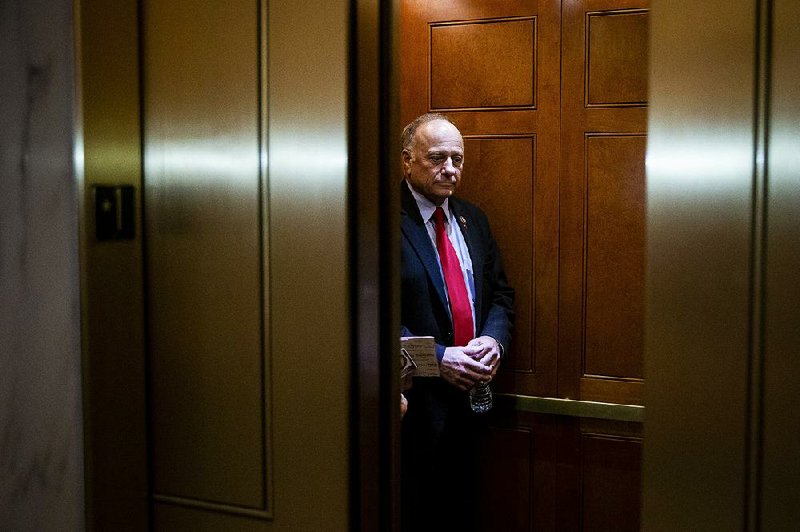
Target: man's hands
{"type": "Point", "coordinates": [464, 366]}
{"type": "Point", "coordinates": [490, 352]}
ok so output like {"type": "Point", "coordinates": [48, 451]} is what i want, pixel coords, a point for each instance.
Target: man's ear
{"type": "Point", "coordinates": [407, 158]}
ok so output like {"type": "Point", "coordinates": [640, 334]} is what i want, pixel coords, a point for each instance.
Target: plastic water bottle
{"type": "Point", "coordinates": [480, 398]}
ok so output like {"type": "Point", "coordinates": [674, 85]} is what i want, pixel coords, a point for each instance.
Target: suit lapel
{"type": "Point", "coordinates": [414, 230]}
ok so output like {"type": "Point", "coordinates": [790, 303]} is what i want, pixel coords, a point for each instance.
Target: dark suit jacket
{"type": "Point", "coordinates": [439, 432]}
{"type": "Point", "coordinates": [424, 310]}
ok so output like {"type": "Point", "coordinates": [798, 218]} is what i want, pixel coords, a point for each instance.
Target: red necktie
{"type": "Point", "coordinates": [454, 279]}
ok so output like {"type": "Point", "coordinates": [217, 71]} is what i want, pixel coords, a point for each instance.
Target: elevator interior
{"type": "Point", "coordinates": [251, 132]}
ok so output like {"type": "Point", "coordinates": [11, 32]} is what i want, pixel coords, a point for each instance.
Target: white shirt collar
{"type": "Point", "coordinates": [427, 207]}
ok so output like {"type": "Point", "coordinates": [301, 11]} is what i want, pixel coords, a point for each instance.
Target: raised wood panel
{"type": "Point", "coordinates": [610, 483]}
{"type": "Point", "coordinates": [509, 457]}
{"type": "Point", "coordinates": [503, 186]}
{"type": "Point", "coordinates": [612, 390]}
{"type": "Point", "coordinates": [614, 255]}
{"type": "Point", "coordinates": [616, 58]}
{"type": "Point", "coordinates": [519, 467]}
{"type": "Point", "coordinates": [545, 472]}
{"type": "Point", "coordinates": [483, 64]}
{"type": "Point", "coordinates": [601, 205]}
{"type": "Point", "coordinates": [535, 71]}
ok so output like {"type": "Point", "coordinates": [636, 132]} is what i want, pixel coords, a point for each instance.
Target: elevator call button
{"type": "Point", "coordinates": [114, 212]}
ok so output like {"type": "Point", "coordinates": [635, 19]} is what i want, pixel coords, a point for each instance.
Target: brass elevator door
{"type": "Point", "coordinates": [202, 212]}
{"type": "Point", "coordinates": [228, 376]}
{"type": "Point", "coordinates": [247, 349]}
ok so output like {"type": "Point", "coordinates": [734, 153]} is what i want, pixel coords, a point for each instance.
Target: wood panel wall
{"type": "Point", "coordinates": [545, 472]}
{"type": "Point", "coordinates": [551, 97]}
{"type": "Point", "coordinates": [602, 207]}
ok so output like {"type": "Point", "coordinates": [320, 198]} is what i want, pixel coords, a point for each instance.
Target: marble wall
{"type": "Point", "coordinates": [41, 447]}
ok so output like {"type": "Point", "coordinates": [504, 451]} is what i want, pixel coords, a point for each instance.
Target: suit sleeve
{"type": "Point", "coordinates": [500, 314]}
{"type": "Point", "coordinates": [439, 348]}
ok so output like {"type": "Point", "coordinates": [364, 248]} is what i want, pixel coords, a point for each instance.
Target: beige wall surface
{"type": "Point", "coordinates": [41, 444]}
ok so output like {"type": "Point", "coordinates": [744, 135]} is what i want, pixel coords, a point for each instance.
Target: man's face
{"type": "Point", "coordinates": [435, 159]}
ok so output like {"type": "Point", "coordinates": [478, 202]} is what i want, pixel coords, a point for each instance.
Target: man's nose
{"type": "Point", "coordinates": [448, 167]}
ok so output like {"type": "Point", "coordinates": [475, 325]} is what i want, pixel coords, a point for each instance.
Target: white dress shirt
{"type": "Point", "coordinates": [426, 209]}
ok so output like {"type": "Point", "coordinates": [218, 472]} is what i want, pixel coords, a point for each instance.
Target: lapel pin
{"type": "Point", "coordinates": [463, 221]}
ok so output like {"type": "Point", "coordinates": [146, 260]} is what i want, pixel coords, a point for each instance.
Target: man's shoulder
{"type": "Point", "coordinates": [467, 208]}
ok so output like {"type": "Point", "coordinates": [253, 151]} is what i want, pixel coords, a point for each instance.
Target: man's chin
{"type": "Point", "coordinates": [438, 199]}
{"type": "Point", "coordinates": [444, 193]}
